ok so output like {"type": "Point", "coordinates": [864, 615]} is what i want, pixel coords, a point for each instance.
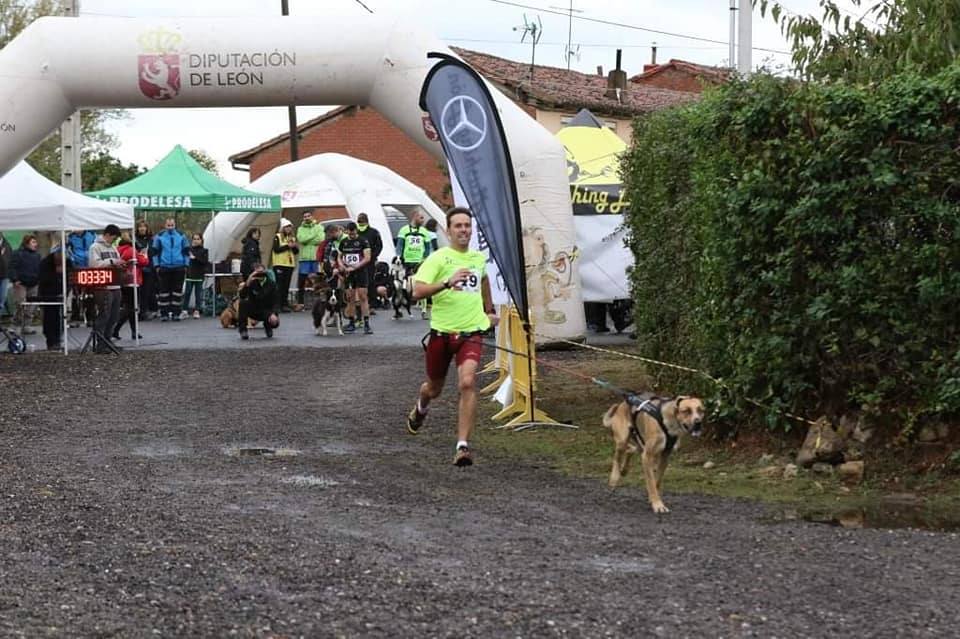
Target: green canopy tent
{"type": "Point", "coordinates": [179, 183]}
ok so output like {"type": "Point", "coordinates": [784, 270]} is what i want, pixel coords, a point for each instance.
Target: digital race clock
{"type": "Point", "coordinates": [95, 277]}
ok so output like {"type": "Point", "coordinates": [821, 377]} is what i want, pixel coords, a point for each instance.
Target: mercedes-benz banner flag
{"type": "Point", "coordinates": [469, 127]}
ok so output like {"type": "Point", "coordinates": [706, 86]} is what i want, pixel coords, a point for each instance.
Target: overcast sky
{"type": "Point", "coordinates": [481, 25]}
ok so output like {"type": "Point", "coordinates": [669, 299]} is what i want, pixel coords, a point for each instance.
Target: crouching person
{"type": "Point", "coordinates": [258, 301]}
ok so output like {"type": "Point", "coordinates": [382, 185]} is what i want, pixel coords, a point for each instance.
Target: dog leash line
{"type": "Point", "coordinates": [678, 367]}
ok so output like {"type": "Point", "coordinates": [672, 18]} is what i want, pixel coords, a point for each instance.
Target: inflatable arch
{"type": "Point", "coordinates": [58, 65]}
{"type": "Point", "coordinates": [326, 179]}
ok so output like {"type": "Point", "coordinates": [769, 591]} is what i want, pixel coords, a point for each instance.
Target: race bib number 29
{"type": "Point", "coordinates": [471, 284]}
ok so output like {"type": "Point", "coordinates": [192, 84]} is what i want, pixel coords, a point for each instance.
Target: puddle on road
{"type": "Point", "coordinates": [158, 450]}
{"type": "Point", "coordinates": [260, 451]}
{"type": "Point", "coordinates": [883, 514]}
{"type": "Point", "coordinates": [311, 481]}
{"type": "Point", "coordinates": [622, 565]}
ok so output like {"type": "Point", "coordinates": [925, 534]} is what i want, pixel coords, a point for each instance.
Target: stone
{"type": "Point", "coordinates": [708, 465]}
{"type": "Point", "coordinates": [854, 452]}
{"type": "Point", "coordinates": [790, 471]}
{"type": "Point", "coordinates": [770, 471]}
{"type": "Point", "coordinates": [851, 472]}
{"type": "Point", "coordinates": [822, 468]}
{"type": "Point", "coordinates": [823, 443]}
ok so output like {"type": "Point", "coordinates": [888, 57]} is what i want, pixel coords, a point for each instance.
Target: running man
{"type": "Point", "coordinates": [353, 258]}
{"type": "Point", "coordinates": [456, 278]}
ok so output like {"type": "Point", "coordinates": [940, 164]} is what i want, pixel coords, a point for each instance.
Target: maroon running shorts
{"type": "Point", "coordinates": [442, 348]}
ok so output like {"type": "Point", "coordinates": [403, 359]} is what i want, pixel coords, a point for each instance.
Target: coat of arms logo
{"type": "Point", "coordinates": [158, 69]}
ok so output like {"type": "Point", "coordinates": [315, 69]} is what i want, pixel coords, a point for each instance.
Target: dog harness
{"type": "Point", "coordinates": [651, 405]}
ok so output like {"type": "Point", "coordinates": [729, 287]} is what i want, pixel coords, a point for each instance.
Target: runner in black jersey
{"type": "Point", "coordinates": [353, 259]}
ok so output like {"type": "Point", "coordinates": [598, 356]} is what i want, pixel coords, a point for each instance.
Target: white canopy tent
{"type": "Point", "coordinates": [30, 201]}
{"type": "Point", "coordinates": [327, 179]}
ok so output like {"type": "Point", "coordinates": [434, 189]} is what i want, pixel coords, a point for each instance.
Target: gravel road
{"type": "Point", "coordinates": [127, 509]}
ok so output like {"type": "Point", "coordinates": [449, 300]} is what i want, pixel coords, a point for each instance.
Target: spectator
{"type": "Point", "coordinates": [199, 262]}
{"type": "Point", "coordinates": [50, 289]}
{"type": "Point", "coordinates": [132, 278]}
{"type": "Point", "coordinates": [171, 249]}
{"type": "Point", "coordinates": [285, 250]}
{"type": "Point", "coordinates": [258, 301]}
{"type": "Point", "coordinates": [327, 252]}
{"type": "Point", "coordinates": [102, 255]}
{"type": "Point", "coordinates": [310, 235]}
{"type": "Point", "coordinates": [413, 247]}
{"type": "Point", "coordinates": [250, 252]}
{"type": "Point", "coordinates": [6, 252]}
{"type": "Point", "coordinates": [372, 236]}
{"type": "Point", "coordinates": [78, 247]}
{"type": "Point", "coordinates": [431, 226]}
{"type": "Point", "coordinates": [148, 290]}
{"type": "Point", "coordinates": [24, 273]}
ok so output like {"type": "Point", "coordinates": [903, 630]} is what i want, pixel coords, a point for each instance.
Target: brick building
{"type": "Point", "coordinates": [679, 75]}
{"type": "Point", "coordinates": [550, 95]}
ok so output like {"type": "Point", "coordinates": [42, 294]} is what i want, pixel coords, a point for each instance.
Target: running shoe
{"type": "Point", "coordinates": [415, 420]}
{"type": "Point", "coordinates": [463, 458]}
{"type": "Point", "coordinates": [244, 335]}
{"type": "Point", "coordinates": [196, 315]}
{"type": "Point", "coordinates": [350, 327]}
{"type": "Point", "coordinates": [367, 330]}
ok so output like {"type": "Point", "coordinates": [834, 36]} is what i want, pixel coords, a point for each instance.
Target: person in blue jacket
{"type": "Point", "coordinates": [171, 251]}
{"type": "Point", "coordinates": [78, 247]}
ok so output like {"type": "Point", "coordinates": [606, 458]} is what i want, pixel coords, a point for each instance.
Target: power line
{"type": "Point", "coordinates": [624, 25]}
{"type": "Point", "coordinates": [589, 45]}
{"type": "Point", "coordinates": [360, 2]}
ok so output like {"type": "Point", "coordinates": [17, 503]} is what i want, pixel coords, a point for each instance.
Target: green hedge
{"type": "Point", "coordinates": [800, 241]}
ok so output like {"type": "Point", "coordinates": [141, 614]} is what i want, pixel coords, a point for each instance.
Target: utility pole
{"type": "Point", "coordinates": [71, 141]}
{"type": "Point", "coordinates": [745, 50]}
{"type": "Point", "coordinates": [570, 53]}
{"type": "Point", "coordinates": [291, 110]}
{"type": "Point", "coordinates": [732, 59]}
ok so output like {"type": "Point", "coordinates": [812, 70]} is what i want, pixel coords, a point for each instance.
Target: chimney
{"type": "Point", "coordinates": [600, 70]}
{"type": "Point", "coordinates": [653, 54]}
{"type": "Point", "coordinates": [616, 81]}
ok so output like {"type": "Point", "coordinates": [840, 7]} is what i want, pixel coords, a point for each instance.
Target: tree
{"type": "Point", "coordinates": [890, 36]}
{"type": "Point", "coordinates": [105, 171]}
{"type": "Point", "coordinates": [15, 16]}
{"type": "Point", "coordinates": [205, 160]}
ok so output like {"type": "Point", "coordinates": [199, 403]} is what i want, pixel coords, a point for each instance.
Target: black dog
{"type": "Point", "coordinates": [328, 304]}
{"type": "Point", "coordinates": [402, 288]}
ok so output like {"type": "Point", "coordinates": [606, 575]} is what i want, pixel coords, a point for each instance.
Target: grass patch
{"type": "Point", "coordinates": [737, 467]}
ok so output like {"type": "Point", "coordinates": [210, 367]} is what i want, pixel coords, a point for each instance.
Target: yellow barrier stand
{"type": "Point", "coordinates": [500, 362]}
{"type": "Point", "coordinates": [523, 376]}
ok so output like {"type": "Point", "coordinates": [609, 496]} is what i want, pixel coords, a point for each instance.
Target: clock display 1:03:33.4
{"type": "Point", "coordinates": [94, 277]}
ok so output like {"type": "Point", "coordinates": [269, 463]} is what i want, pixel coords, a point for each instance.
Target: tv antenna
{"type": "Point", "coordinates": [535, 31]}
{"type": "Point", "coordinates": [570, 52]}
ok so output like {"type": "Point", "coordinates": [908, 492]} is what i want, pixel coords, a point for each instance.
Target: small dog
{"type": "Point", "coordinates": [328, 302]}
{"type": "Point", "coordinates": [652, 425]}
{"type": "Point", "coordinates": [402, 288]}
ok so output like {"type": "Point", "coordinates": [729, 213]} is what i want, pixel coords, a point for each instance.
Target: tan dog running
{"type": "Point", "coordinates": [653, 425]}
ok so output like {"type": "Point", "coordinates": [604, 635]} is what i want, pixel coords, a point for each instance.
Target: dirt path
{"type": "Point", "coordinates": [125, 510]}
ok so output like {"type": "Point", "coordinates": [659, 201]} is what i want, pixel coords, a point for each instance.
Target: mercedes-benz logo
{"type": "Point", "coordinates": [464, 129]}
